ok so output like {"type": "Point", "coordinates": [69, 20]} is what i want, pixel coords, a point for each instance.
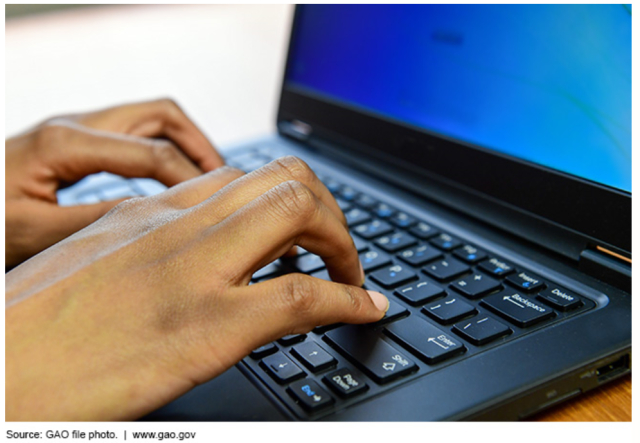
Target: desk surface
{"type": "Point", "coordinates": [222, 63]}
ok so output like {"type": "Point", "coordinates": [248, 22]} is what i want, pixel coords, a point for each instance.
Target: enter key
{"type": "Point", "coordinates": [517, 308]}
{"type": "Point", "coordinates": [427, 341]}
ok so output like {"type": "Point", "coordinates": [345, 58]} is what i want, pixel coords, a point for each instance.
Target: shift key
{"type": "Point", "coordinates": [379, 359]}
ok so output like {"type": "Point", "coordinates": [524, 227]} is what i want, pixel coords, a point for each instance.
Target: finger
{"type": "Point", "coordinates": [198, 189]}
{"type": "Point", "coordinates": [296, 303]}
{"type": "Point", "coordinates": [258, 182]}
{"type": "Point", "coordinates": [287, 215]}
{"type": "Point", "coordinates": [75, 152]}
{"type": "Point", "coordinates": [158, 118]}
{"type": "Point", "coordinates": [31, 236]}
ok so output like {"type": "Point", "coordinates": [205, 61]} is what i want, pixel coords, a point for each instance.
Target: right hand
{"type": "Point", "coordinates": [154, 298]}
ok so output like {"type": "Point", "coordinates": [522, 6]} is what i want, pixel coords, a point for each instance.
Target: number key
{"type": "Point", "coordinates": [445, 269]}
{"type": "Point", "coordinates": [395, 242]}
{"type": "Point", "coordinates": [393, 276]}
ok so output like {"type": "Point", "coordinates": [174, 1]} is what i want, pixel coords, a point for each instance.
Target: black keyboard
{"type": "Point", "coordinates": [448, 300]}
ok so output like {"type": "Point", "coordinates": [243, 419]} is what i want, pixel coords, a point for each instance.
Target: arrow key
{"type": "Point", "coordinates": [310, 395]}
{"type": "Point", "coordinates": [313, 356]}
{"type": "Point", "coordinates": [281, 367]}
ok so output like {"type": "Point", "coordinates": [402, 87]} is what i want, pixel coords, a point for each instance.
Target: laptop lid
{"type": "Point", "coordinates": [523, 106]}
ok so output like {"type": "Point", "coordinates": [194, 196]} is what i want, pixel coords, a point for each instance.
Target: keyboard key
{"type": "Point", "coordinates": [374, 229]}
{"type": "Point", "coordinates": [365, 201]}
{"type": "Point", "coordinates": [476, 285]}
{"type": "Point", "coordinates": [378, 359]}
{"type": "Point", "coordinates": [332, 185]}
{"type": "Point", "coordinates": [560, 298]}
{"type": "Point", "coordinates": [423, 231]}
{"type": "Point", "coordinates": [393, 276]}
{"type": "Point", "coordinates": [373, 259]}
{"type": "Point", "coordinates": [470, 254]}
{"type": "Point", "coordinates": [480, 331]}
{"type": "Point", "coordinates": [419, 255]}
{"type": "Point", "coordinates": [346, 382]}
{"type": "Point", "coordinates": [361, 245]}
{"type": "Point", "coordinates": [324, 275]}
{"type": "Point", "coordinates": [313, 356]}
{"type": "Point", "coordinates": [263, 351]}
{"type": "Point", "coordinates": [291, 339]}
{"type": "Point", "coordinates": [449, 310]}
{"type": "Point", "coordinates": [272, 269]}
{"type": "Point", "coordinates": [517, 308]}
{"type": "Point", "coordinates": [419, 293]}
{"type": "Point", "coordinates": [445, 242]}
{"type": "Point", "coordinates": [308, 263]}
{"type": "Point", "coordinates": [383, 210]}
{"type": "Point", "coordinates": [310, 395]}
{"type": "Point", "coordinates": [525, 281]}
{"type": "Point", "coordinates": [248, 160]}
{"type": "Point", "coordinates": [324, 328]}
{"type": "Point", "coordinates": [403, 220]}
{"type": "Point", "coordinates": [281, 368]}
{"type": "Point", "coordinates": [497, 267]}
{"type": "Point", "coordinates": [445, 269]}
{"type": "Point", "coordinates": [343, 204]}
{"type": "Point", "coordinates": [348, 193]}
{"type": "Point", "coordinates": [430, 343]}
{"type": "Point", "coordinates": [395, 242]}
{"type": "Point", "coordinates": [395, 311]}
{"type": "Point", "coordinates": [356, 216]}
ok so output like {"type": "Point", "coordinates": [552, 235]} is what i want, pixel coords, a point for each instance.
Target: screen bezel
{"type": "Point", "coordinates": [594, 210]}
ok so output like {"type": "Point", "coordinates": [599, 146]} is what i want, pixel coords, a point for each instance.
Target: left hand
{"type": "Point", "coordinates": [123, 140]}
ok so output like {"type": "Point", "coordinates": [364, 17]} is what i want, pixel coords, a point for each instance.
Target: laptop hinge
{"type": "Point", "coordinates": [296, 129]}
{"type": "Point", "coordinates": [607, 266]}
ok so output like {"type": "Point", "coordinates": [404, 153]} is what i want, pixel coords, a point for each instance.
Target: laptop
{"type": "Point", "coordinates": [482, 157]}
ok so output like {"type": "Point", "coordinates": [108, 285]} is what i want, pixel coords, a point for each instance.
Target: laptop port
{"type": "Point", "coordinates": [613, 369]}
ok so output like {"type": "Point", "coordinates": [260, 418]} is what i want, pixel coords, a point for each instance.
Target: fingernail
{"type": "Point", "coordinates": [361, 273]}
{"type": "Point", "coordinates": [381, 302]}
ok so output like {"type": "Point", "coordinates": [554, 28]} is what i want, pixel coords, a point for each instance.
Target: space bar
{"type": "Point", "coordinates": [378, 359]}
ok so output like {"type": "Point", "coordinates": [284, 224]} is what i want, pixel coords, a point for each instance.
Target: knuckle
{"type": "Point", "coordinates": [353, 296]}
{"type": "Point", "coordinates": [52, 133]}
{"type": "Point", "coordinates": [228, 170]}
{"type": "Point", "coordinates": [127, 207]}
{"type": "Point", "coordinates": [295, 169]}
{"type": "Point", "coordinates": [169, 104]}
{"type": "Point", "coordinates": [294, 200]}
{"type": "Point", "coordinates": [164, 151]}
{"type": "Point", "coordinates": [299, 294]}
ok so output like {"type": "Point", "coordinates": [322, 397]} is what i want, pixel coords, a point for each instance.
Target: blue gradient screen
{"type": "Point", "coordinates": [550, 84]}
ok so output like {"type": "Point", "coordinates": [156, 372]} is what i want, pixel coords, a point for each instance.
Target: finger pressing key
{"type": "Point", "coordinates": [297, 303]}
{"type": "Point", "coordinates": [289, 214]}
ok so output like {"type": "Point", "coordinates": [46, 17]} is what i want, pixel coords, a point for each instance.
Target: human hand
{"type": "Point", "coordinates": [154, 298]}
{"type": "Point", "coordinates": [122, 140]}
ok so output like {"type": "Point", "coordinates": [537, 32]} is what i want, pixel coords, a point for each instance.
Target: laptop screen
{"type": "Point", "coordinates": [550, 84]}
